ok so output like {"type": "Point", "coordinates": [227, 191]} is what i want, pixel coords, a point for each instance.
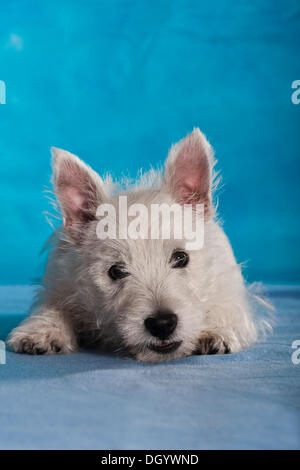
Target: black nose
{"type": "Point", "coordinates": [162, 324]}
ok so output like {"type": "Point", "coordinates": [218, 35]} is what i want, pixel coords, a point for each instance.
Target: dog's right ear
{"type": "Point", "coordinates": [79, 191]}
{"type": "Point", "coordinates": [188, 171]}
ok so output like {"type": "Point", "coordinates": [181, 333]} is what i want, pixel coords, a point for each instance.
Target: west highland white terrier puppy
{"type": "Point", "coordinates": [147, 297]}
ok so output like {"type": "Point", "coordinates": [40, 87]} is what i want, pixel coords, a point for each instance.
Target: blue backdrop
{"type": "Point", "coordinates": [116, 81]}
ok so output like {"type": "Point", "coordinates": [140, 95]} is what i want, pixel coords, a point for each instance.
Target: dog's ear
{"type": "Point", "coordinates": [79, 191]}
{"type": "Point", "coordinates": [188, 170]}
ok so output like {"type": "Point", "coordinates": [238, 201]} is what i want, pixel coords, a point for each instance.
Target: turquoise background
{"type": "Point", "coordinates": [117, 81]}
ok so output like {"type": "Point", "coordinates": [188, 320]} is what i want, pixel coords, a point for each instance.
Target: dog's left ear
{"type": "Point", "coordinates": [188, 170]}
{"type": "Point", "coordinates": [79, 191]}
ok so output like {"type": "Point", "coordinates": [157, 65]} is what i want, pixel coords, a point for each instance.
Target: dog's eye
{"type": "Point", "coordinates": [117, 271]}
{"type": "Point", "coordinates": [179, 259]}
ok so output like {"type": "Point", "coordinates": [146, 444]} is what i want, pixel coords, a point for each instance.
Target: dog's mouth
{"type": "Point", "coordinates": [165, 347]}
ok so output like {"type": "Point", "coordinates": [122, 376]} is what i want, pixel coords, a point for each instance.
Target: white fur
{"type": "Point", "coordinates": [79, 304]}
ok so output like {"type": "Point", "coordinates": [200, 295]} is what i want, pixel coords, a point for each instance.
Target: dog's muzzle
{"type": "Point", "coordinates": [165, 347]}
{"type": "Point", "coordinates": [162, 324]}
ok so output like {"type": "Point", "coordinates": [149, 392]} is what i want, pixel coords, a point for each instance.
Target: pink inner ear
{"type": "Point", "coordinates": [74, 200]}
{"type": "Point", "coordinates": [76, 192]}
{"type": "Point", "coordinates": [192, 182]}
{"type": "Point", "coordinates": [191, 177]}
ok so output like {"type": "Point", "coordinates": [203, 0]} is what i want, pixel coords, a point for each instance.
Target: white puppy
{"type": "Point", "coordinates": [147, 298]}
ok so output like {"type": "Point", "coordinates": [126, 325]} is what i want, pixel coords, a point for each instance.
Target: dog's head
{"type": "Point", "coordinates": [150, 291]}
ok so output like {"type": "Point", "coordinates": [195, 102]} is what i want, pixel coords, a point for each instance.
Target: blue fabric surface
{"type": "Point", "coordinates": [117, 81]}
{"type": "Point", "coordinates": [89, 400]}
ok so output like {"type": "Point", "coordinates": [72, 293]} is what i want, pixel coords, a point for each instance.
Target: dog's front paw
{"type": "Point", "coordinates": [40, 336]}
{"type": "Point", "coordinates": [33, 344]}
{"type": "Point", "coordinates": [212, 344]}
{"type": "Point", "coordinates": [36, 343]}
